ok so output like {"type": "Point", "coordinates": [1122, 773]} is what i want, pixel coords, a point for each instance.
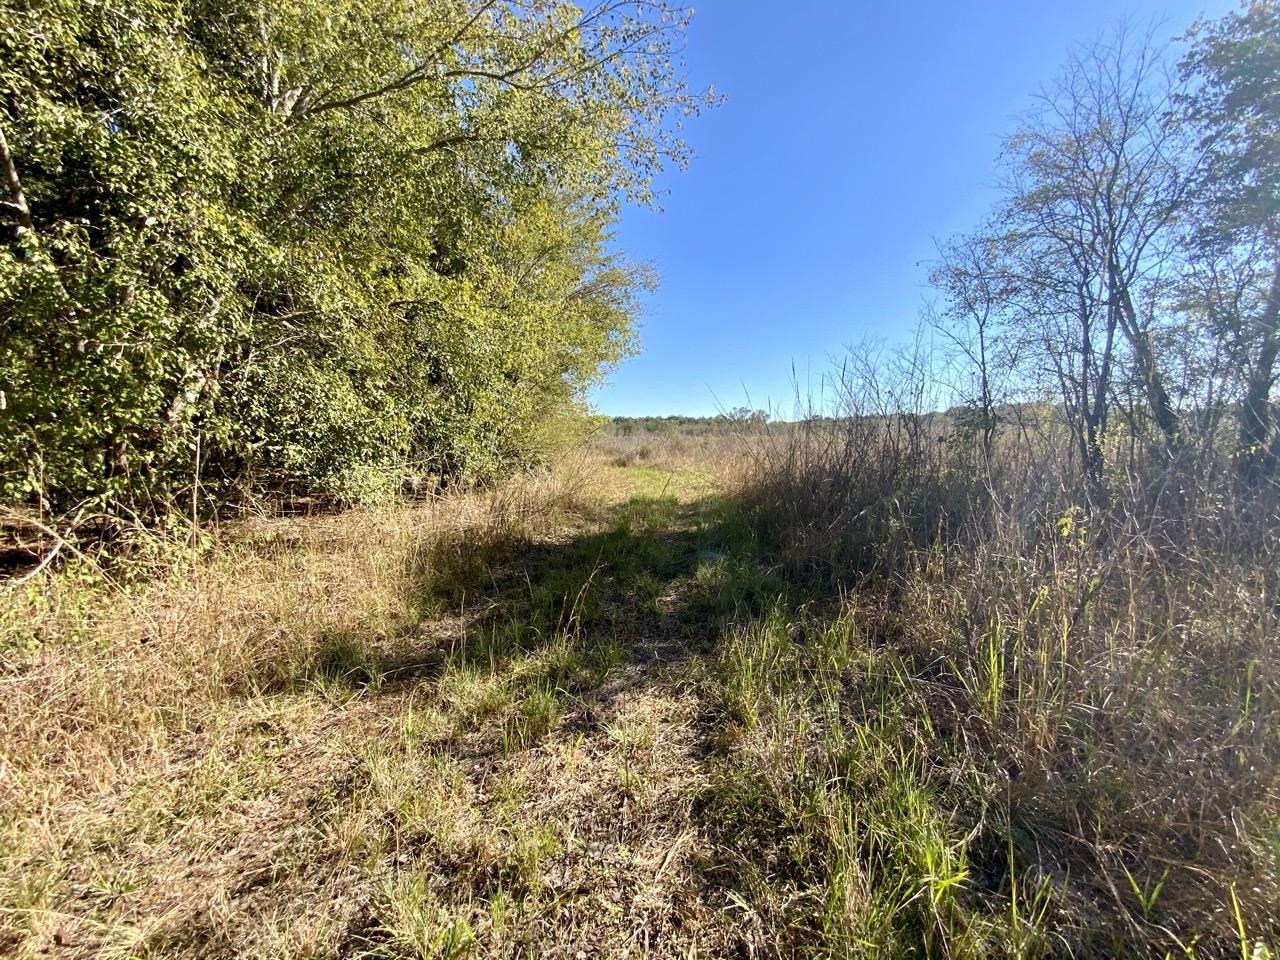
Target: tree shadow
{"type": "Point", "coordinates": [567, 631]}
{"type": "Point", "coordinates": [652, 580]}
{"type": "Point", "coordinates": [656, 581]}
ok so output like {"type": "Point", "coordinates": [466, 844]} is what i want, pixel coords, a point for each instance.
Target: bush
{"type": "Point", "coordinates": [220, 282]}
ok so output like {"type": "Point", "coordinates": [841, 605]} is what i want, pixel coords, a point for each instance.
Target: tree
{"type": "Point", "coordinates": [976, 292]}
{"type": "Point", "coordinates": [1096, 179]}
{"type": "Point", "coordinates": [313, 247]}
{"type": "Point", "coordinates": [1234, 104]}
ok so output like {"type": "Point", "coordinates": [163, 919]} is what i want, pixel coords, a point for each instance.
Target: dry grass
{"type": "Point", "coordinates": [426, 731]}
{"type": "Point", "coordinates": [1071, 714]}
{"type": "Point", "coordinates": [609, 711]}
{"type": "Point", "coordinates": [170, 746]}
{"type": "Point", "coordinates": [718, 451]}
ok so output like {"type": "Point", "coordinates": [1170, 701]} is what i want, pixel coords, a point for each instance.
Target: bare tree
{"type": "Point", "coordinates": [977, 292]}
{"type": "Point", "coordinates": [1095, 180]}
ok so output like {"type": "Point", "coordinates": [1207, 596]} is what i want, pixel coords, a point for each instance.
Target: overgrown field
{"type": "Point", "coordinates": [605, 712]}
{"type": "Point", "coordinates": [974, 657]}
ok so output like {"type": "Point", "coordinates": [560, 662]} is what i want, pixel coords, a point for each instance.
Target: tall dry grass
{"type": "Point", "coordinates": [1089, 697]}
{"type": "Point", "coordinates": [717, 449]}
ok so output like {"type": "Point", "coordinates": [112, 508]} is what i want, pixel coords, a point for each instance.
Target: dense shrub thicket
{"type": "Point", "coordinates": [311, 248]}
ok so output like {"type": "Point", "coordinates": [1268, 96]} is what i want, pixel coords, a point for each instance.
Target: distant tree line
{"type": "Point", "coordinates": [739, 417]}
{"type": "Point", "coordinates": [1131, 271]}
{"type": "Point", "coordinates": [314, 247]}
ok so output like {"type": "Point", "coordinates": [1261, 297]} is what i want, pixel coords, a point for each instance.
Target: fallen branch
{"type": "Point", "coordinates": [61, 542]}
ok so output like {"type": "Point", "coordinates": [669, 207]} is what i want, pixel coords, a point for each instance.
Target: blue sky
{"type": "Point", "coordinates": [854, 134]}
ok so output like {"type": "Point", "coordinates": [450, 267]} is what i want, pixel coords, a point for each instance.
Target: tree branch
{"type": "Point", "coordinates": [17, 205]}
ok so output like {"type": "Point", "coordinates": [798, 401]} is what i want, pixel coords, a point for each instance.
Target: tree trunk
{"type": "Point", "coordinates": [1255, 461]}
{"type": "Point", "coordinates": [1095, 412]}
{"type": "Point", "coordinates": [16, 205]}
{"type": "Point", "coordinates": [1158, 401]}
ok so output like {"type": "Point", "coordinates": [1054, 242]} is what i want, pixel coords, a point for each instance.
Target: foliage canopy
{"type": "Point", "coordinates": [313, 247]}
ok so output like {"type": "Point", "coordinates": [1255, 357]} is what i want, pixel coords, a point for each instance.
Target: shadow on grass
{"type": "Point", "coordinates": [654, 579]}
{"type": "Point", "coordinates": [656, 583]}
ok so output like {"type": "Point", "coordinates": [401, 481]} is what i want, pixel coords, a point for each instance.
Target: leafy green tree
{"type": "Point", "coordinates": [313, 247]}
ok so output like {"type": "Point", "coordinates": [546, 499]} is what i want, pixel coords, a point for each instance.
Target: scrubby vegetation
{"type": "Point", "coordinates": [311, 249]}
{"type": "Point", "coordinates": [1016, 725]}
{"type": "Point", "coordinates": [610, 706]}
{"type": "Point", "coordinates": [977, 660]}
{"type": "Point", "coordinates": [1038, 714]}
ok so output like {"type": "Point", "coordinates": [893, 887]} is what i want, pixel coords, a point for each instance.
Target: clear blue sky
{"type": "Point", "coordinates": [854, 134]}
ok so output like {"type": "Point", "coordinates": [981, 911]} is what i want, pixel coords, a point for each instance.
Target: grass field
{"type": "Point", "coordinates": [587, 713]}
{"type": "Point", "coordinates": [338, 622]}
{"type": "Point", "coordinates": [474, 725]}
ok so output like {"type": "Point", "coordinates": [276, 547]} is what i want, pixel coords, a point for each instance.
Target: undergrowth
{"type": "Point", "coordinates": [607, 709]}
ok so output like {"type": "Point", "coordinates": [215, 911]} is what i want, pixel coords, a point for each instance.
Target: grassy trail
{"type": "Point", "coordinates": [501, 755]}
{"type": "Point", "coordinates": [583, 736]}
{"type": "Point", "coordinates": [569, 719]}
